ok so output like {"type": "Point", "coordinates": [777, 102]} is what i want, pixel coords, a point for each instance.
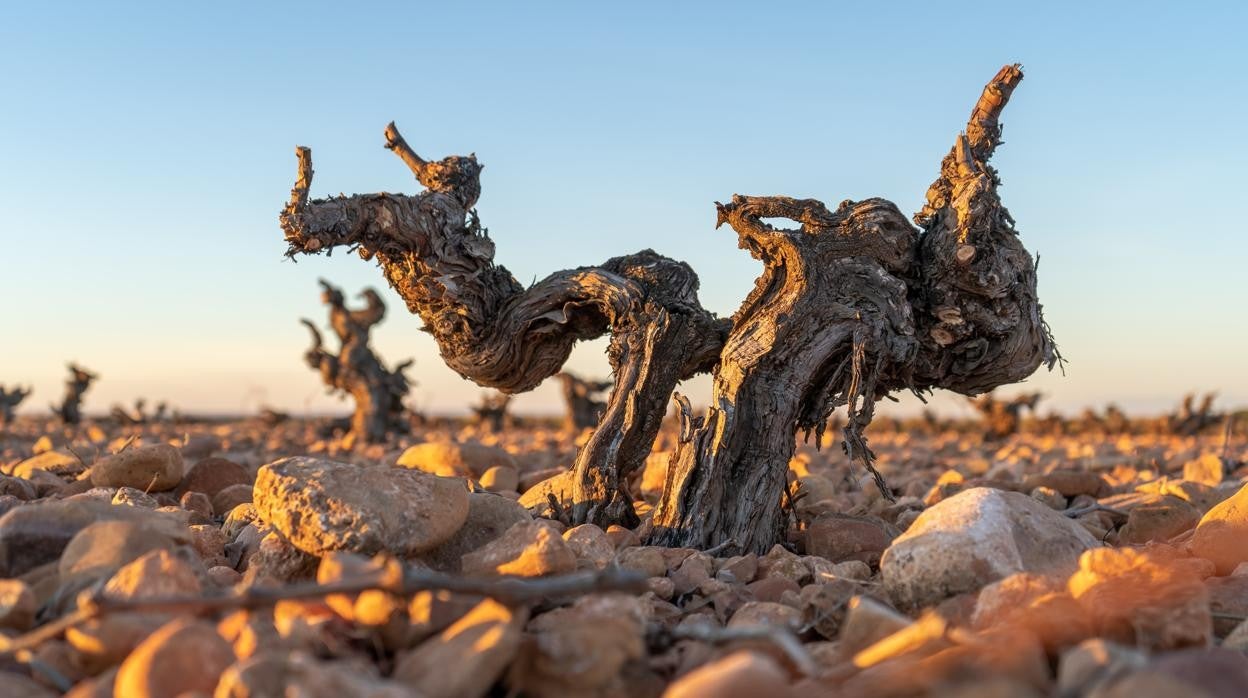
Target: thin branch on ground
{"type": "Point", "coordinates": [1091, 508]}
{"type": "Point", "coordinates": [714, 550]}
{"type": "Point", "coordinates": [507, 590]}
{"type": "Point", "coordinates": [782, 638]}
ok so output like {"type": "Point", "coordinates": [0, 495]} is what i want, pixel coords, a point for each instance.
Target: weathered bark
{"type": "Point", "coordinates": [10, 398]}
{"type": "Point", "coordinates": [491, 413]}
{"type": "Point", "coordinates": [493, 331]}
{"type": "Point", "coordinates": [580, 398]}
{"type": "Point", "coordinates": [852, 305]}
{"type": "Point", "coordinates": [1003, 417]}
{"type": "Point", "coordinates": [70, 409]}
{"type": "Point", "coordinates": [356, 370]}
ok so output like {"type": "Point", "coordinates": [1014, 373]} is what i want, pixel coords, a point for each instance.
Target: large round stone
{"type": "Point", "coordinates": [977, 537]}
{"type": "Point", "coordinates": [322, 506]}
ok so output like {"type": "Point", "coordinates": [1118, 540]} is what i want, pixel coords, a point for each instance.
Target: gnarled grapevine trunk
{"type": "Point", "coordinates": [853, 304]}
{"type": "Point", "coordinates": [828, 324]}
{"type": "Point", "coordinates": [497, 333]}
{"type": "Point", "coordinates": [377, 391]}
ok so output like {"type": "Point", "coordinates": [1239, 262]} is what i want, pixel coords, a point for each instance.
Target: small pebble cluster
{"type": "Point", "coordinates": [1041, 565]}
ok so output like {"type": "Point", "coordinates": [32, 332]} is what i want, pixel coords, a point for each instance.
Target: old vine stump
{"type": "Point", "coordinates": [852, 304]}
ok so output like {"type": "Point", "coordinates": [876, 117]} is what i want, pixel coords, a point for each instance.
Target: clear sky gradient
{"type": "Point", "coordinates": [145, 150]}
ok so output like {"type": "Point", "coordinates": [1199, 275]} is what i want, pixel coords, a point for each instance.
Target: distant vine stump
{"type": "Point", "coordinates": [356, 370]}
{"type": "Point", "coordinates": [852, 304]}
{"type": "Point", "coordinates": [491, 412]}
{"type": "Point", "coordinates": [130, 417]}
{"type": "Point", "coordinates": [580, 397]}
{"type": "Point", "coordinates": [1193, 418]}
{"type": "Point", "coordinates": [10, 398]}
{"type": "Point", "coordinates": [1002, 418]}
{"type": "Point", "coordinates": [80, 379]}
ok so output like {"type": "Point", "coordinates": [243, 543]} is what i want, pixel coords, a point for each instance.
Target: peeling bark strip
{"type": "Point", "coordinates": [355, 370]}
{"type": "Point", "coordinates": [852, 305]}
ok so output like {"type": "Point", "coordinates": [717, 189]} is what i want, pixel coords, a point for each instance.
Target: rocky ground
{"type": "Point", "coordinates": [244, 559]}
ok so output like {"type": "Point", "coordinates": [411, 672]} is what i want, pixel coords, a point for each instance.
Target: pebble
{"type": "Point", "coordinates": [1222, 533]}
{"type": "Point", "coordinates": [184, 656]}
{"type": "Point", "coordinates": [840, 537]}
{"type": "Point", "coordinates": [467, 658]}
{"type": "Point", "coordinates": [645, 560]}
{"type": "Point", "coordinates": [738, 675]}
{"type": "Point", "coordinates": [55, 462]}
{"type": "Point", "coordinates": [776, 615]}
{"type": "Point", "coordinates": [37, 534]}
{"type": "Point", "coordinates": [129, 496]}
{"type": "Point", "coordinates": [156, 574]}
{"type": "Point", "coordinates": [1143, 598]}
{"type": "Point", "coordinates": [231, 497]}
{"type": "Point", "coordinates": [17, 605]}
{"type": "Point", "coordinates": [211, 475]}
{"type": "Point", "coordinates": [198, 504]}
{"type": "Point", "coordinates": [1069, 483]}
{"type": "Point", "coordinates": [866, 622]}
{"type": "Point", "coordinates": [779, 562]}
{"type": "Point", "coordinates": [18, 488]}
{"type": "Point", "coordinates": [591, 546]}
{"type": "Point", "coordinates": [1158, 522]}
{"type": "Point", "coordinates": [581, 649]}
{"type": "Point", "coordinates": [1208, 470]}
{"type": "Point", "coordinates": [467, 459]}
{"type": "Point", "coordinates": [489, 517]}
{"type": "Point", "coordinates": [152, 468]}
{"type": "Point", "coordinates": [301, 674]}
{"type": "Point", "coordinates": [102, 548]}
{"type": "Point", "coordinates": [500, 478]}
{"type": "Point", "coordinates": [527, 549]}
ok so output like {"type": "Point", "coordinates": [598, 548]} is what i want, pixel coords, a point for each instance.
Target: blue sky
{"type": "Point", "coordinates": [146, 148]}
